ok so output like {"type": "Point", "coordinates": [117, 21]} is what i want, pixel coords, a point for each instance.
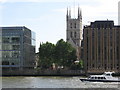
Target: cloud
{"type": "Point", "coordinates": [3, 1]}
{"type": "Point", "coordinates": [73, 1]}
{"type": "Point", "coordinates": [90, 10]}
{"type": "Point", "coordinates": [102, 11]}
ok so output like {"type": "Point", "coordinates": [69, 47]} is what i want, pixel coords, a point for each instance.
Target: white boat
{"type": "Point", "coordinates": [106, 77]}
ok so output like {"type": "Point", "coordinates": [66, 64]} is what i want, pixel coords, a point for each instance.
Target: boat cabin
{"type": "Point", "coordinates": [108, 73]}
{"type": "Point", "coordinates": [104, 76]}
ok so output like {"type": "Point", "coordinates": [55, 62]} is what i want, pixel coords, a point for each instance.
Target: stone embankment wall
{"type": "Point", "coordinates": [32, 72]}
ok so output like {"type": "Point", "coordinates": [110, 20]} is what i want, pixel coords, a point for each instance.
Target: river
{"type": "Point", "coordinates": [52, 82]}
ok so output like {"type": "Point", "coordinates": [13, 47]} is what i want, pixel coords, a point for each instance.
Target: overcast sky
{"type": "Point", "coordinates": [47, 18]}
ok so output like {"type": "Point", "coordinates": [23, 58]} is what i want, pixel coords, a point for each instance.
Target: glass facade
{"type": "Point", "coordinates": [33, 38]}
{"type": "Point", "coordinates": [0, 48]}
{"type": "Point", "coordinates": [17, 48]}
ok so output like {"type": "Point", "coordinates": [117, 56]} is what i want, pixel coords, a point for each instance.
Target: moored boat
{"type": "Point", "coordinates": [106, 77]}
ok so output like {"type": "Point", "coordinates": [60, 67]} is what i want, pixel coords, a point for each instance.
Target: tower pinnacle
{"type": "Point", "coordinates": [79, 13]}
{"type": "Point", "coordinates": [68, 15]}
{"type": "Point", "coordinates": [70, 12]}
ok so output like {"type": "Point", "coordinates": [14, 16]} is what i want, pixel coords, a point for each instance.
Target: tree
{"type": "Point", "coordinates": [46, 54]}
{"type": "Point", "coordinates": [62, 54]}
{"type": "Point", "coordinates": [65, 54]}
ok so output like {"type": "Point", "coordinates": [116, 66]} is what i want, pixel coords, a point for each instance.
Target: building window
{"type": "Point", "coordinates": [5, 62]}
{"type": "Point", "coordinates": [15, 39]}
{"type": "Point", "coordinates": [93, 33]}
{"type": "Point", "coordinates": [12, 64]}
{"type": "Point", "coordinates": [70, 34]}
{"type": "Point", "coordinates": [117, 53]}
{"type": "Point", "coordinates": [93, 52]}
{"type": "Point", "coordinates": [15, 54]}
{"type": "Point", "coordinates": [16, 47]}
{"type": "Point", "coordinates": [70, 25]}
{"type": "Point", "coordinates": [117, 66]}
{"type": "Point", "coordinates": [105, 55]}
{"type": "Point", "coordinates": [111, 55]}
{"type": "Point", "coordinates": [105, 66]}
{"type": "Point", "coordinates": [102, 25]}
{"type": "Point", "coordinates": [6, 47]}
{"type": "Point", "coordinates": [75, 25]}
{"type": "Point", "coordinates": [111, 66]}
{"type": "Point", "coordinates": [110, 26]}
{"type": "Point", "coordinates": [75, 34]}
{"type": "Point", "coordinates": [6, 39]}
{"type": "Point", "coordinates": [6, 54]}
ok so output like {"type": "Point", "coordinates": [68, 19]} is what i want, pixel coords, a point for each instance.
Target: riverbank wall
{"type": "Point", "coordinates": [43, 73]}
{"type": "Point", "coordinates": [59, 72]}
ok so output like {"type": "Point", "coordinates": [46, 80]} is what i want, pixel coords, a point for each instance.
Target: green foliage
{"type": "Point", "coordinates": [81, 63]}
{"type": "Point", "coordinates": [46, 54]}
{"type": "Point", "coordinates": [62, 54]}
{"type": "Point", "coordinates": [65, 54]}
{"type": "Point", "coordinates": [77, 66]}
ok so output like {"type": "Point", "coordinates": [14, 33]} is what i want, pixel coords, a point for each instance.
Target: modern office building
{"type": "Point", "coordinates": [101, 42]}
{"type": "Point", "coordinates": [74, 30]}
{"type": "Point", "coordinates": [18, 47]}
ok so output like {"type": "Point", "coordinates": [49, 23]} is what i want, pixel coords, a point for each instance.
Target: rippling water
{"type": "Point", "coordinates": [52, 82]}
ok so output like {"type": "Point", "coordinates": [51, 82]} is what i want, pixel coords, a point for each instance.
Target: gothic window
{"type": "Point", "coordinates": [75, 34]}
{"type": "Point", "coordinates": [70, 34]}
{"type": "Point", "coordinates": [70, 25]}
{"type": "Point", "coordinates": [75, 25]}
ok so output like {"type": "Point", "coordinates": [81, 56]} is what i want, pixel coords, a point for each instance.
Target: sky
{"type": "Point", "coordinates": [47, 18]}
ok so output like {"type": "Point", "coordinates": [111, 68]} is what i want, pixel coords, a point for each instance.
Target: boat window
{"type": "Point", "coordinates": [98, 77]}
{"type": "Point", "coordinates": [104, 78]}
{"type": "Point", "coordinates": [89, 77]}
{"type": "Point", "coordinates": [92, 77]}
{"type": "Point", "coordinates": [108, 74]}
{"type": "Point", "coordinates": [95, 77]}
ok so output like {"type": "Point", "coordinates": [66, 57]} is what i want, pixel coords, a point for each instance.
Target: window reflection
{"type": "Point", "coordinates": [33, 38]}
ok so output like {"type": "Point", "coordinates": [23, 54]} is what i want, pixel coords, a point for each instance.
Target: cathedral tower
{"type": "Point", "coordinates": [74, 28]}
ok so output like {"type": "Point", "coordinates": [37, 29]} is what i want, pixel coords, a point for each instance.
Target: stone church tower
{"type": "Point", "coordinates": [74, 30]}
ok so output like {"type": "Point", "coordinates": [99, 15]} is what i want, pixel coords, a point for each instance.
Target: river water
{"type": "Point", "coordinates": [52, 82]}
